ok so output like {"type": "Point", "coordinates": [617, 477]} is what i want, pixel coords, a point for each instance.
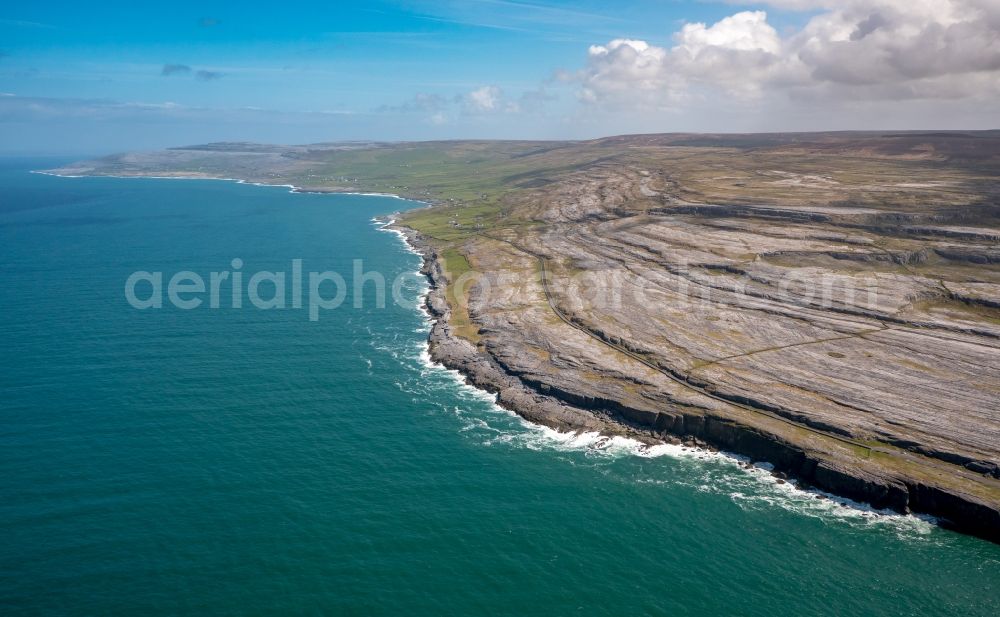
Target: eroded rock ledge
{"type": "Point", "coordinates": [828, 302]}
{"type": "Point", "coordinates": [566, 410]}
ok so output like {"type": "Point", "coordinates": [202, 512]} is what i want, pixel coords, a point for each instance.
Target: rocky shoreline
{"type": "Point", "coordinates": [565, 410]}
{"type": "Point", "coordinates": [799, 301]}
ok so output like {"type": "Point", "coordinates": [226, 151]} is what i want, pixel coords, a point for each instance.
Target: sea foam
{"type": "Point", "coordinates": [719, 472]}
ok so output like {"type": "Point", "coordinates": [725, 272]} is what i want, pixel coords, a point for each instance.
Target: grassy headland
{"type": "Point", "coordinates": [834, 296]}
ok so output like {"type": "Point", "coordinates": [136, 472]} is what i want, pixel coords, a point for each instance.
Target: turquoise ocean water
{"type": "Point", "coordinates": [250, 461]}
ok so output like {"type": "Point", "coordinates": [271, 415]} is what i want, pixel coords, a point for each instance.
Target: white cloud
{"type": "Point", "coordinates": [484, 99]}
{"type": "Point", "coordinates": [894, 42]}
{"type": "Point", "coordinates": [746, 31]}
{"type": "Point", "coordinates": [739, 54]}
{"type": "Point", "coordinates": [626, 70]}
{"type": "Point", "coordinates": [488, 99]}
{"type": "Point", "coordinates": [850, 50]}
{"type": "Point", "coordinates": [477, 104]}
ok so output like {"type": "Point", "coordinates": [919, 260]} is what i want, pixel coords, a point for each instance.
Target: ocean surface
{"type": "Point", "coordinates": [250, 461]}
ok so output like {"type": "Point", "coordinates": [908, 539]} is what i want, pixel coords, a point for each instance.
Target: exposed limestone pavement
{"type": "Point", "coordinates": [829, 303]}
{"type": "Point", "coordinates": [849, 355]}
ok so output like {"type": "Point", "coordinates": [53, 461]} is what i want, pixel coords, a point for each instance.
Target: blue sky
{"type": "Point", "coordinates": [90, 78]}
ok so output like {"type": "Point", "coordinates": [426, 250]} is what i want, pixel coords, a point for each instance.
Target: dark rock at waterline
{"type": "Point", "coordinates": [563, 409]}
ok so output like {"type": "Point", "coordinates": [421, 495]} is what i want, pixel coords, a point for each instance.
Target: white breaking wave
{"type": "Point", "coordinates": [291, 187]}
{"type": "Point", "coordinates": [722, 473]}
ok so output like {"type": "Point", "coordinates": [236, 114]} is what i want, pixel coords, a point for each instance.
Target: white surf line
{"type": "Point", "coordinates": [586, 440]}
{"type": "Point", "coordinates": [291, 187]}
{"type": "Point", "coordinates": [590, 442]}
{"type": "Point", "coordinates": [781, 493]}
{"type": "Point", "coordinates": [766, 488]}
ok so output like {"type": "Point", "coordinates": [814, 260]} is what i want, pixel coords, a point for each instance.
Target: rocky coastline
{"type": "Point", "coordinates": [565, 410]}
{"type": "Point", "coordinates": [799, 300]}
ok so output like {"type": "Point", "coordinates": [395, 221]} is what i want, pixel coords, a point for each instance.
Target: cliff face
{"type": "Point", "coordinates": [851, 341]}
{"type": "Point", "coordinates": [829, 303]}
{"type": "Point", "coordinates": [570, 403]}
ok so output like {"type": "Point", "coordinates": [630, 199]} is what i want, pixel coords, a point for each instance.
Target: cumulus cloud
{"type": "Point", "coordinates": [488, 99]}
{"type": "Point", "coordinates": [624, 70]}
{"type": "Point", "coordinates": [175, 69]}
{"type": "Point", "coordinates": [484, 99]}
{"type": "Point", "coordinates": [893, 42]}
{"type": "Point", "coordinates": [851, 49]}
{"type": "Point", "coordinates": [746, 31]}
